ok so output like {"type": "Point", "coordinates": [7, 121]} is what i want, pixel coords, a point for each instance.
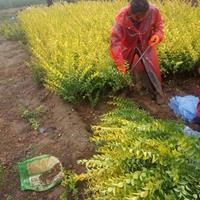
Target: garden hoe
{"type": "Point", "coordinates": [151, 74]}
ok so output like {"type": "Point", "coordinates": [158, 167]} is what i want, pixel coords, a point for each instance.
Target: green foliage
{"type": "Point", "coordinates": [2, 174]}
{"type": "Point", "coordinates": [38, 73]}
{"type": "Point", "coordinates": [63, 196]}
{"type": "Point", "coordinates": [139, 157]}
{"type": "Point", "coordinates": [11, 29]}
{"type": "Point", "coordinates": [70, 182]}
{"type": "Point", "coordinates": [90, 84]}
{"type": "Point", "coordinates": [31, 116]}
{"type": "Point", "coordinates": [9, 197]}
{"type": "Point", "coordinates": [181, 46]}
{"type": "Point", "coordinates": [71, 44]}
{"type": "Point", "coordinates": [76, 58]}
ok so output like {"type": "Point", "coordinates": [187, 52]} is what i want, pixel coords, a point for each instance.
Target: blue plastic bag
{"type": "Point", "coordinates": [189, 132]}
{"type": "Point", "coordinates": [185, 107]}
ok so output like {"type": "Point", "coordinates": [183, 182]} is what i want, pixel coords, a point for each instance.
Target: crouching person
{"type": "Point", "coordinates": [137, 31]}
{"type": "Point", "coordinates": [49, 2]}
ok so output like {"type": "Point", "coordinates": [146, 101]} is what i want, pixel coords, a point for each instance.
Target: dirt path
{"type": "Point", "coordinates": [66, 136]}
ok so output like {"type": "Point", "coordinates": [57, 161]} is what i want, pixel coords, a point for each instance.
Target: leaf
{"type": "Point", "coordinates": [110, 189]}
{"type": "Point", "coordinates": [195, 196]}
{"type": "Point", "coordinates": [144, 194]}
{"type": "Point", "coordinates": [120, 185]}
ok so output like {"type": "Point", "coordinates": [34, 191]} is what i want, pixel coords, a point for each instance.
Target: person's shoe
{"type": "Point", "coordinates": [160, 99]}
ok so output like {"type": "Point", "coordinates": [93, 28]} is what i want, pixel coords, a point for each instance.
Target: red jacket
{"type": "Point", "coordinates": [198, 109]}
{"type": "Point", "coordinates": [125, 37]}
{"type": "Point", "coordinates": [198, 105]}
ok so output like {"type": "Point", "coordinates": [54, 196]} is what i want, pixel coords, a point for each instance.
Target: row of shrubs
{"type": "Point", "coordinates": [70, 45]}
{"type": "Point", "coordinates": [138, 157]}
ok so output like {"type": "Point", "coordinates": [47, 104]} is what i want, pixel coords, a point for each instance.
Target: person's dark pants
{"type": "Point", "coordinates": [49, 2]}
{"type": "Point", "coordinates": [140, 77]}
{"type": "Point", "coordinates": [196, 120]}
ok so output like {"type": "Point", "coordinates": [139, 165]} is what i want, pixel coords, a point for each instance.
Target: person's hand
{"type": "Point", "coordinates": [154, 40]}
{"type": "Point", "coordinates": [122, 68]}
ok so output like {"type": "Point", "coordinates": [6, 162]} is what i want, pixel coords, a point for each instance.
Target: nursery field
{"type": "Point", "coordinates": [60, 94]}
{"type": "Point", "coordinates": [75, 62]}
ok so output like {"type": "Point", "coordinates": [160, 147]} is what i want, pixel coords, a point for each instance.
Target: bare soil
{"type": "Point", "coordinates": [66, 135]}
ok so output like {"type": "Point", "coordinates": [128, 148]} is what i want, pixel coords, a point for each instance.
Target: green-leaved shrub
{"type": "Point", "coordinates": [139, 157]}
{"type": "Point", "coordinates": [70, 45]}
